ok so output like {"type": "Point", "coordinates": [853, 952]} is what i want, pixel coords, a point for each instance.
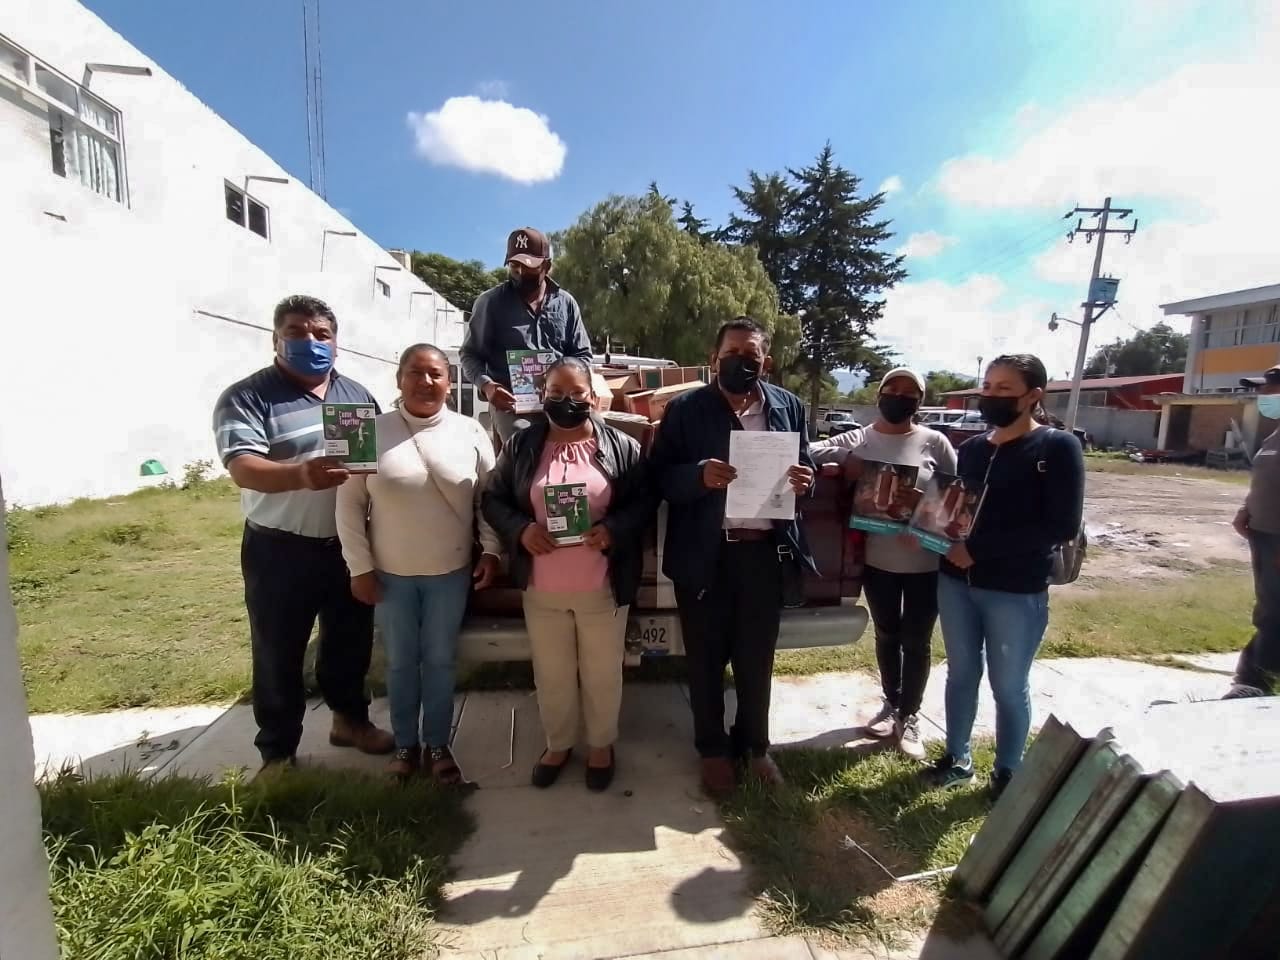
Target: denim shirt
{"type": "Point", "coordinates": [502, 321]}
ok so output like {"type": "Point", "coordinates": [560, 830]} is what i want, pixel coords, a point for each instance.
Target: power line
{"type": "Point", "coordinates": [1102, 214]}
{"type": "Point", "coordinates": [323, 154]}
{"type": "Point", "coordinates": [306, 87]}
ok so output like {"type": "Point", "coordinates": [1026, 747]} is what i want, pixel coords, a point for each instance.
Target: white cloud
{"type": "Point", "coordinates": [890, 186]}
{"type": "Point", "coordinates": [489, 136]}
{"type": "Point", "coordinates": [1196, 135]}
{"type": "Point", "coordinates": [1193, 148]}
{"type": "Point", "coordinates": [943, 326]}
{"type": "Point", "coordinates": [923, 245]}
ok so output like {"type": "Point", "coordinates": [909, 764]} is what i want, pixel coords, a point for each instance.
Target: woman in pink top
{"type": "Point", "coordinates": [570, 499]}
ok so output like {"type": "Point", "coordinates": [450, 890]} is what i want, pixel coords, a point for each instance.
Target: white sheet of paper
{"type": "Point", "coordinates": [762, 491]}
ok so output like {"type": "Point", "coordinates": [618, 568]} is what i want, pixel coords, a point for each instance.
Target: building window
{"type": "Point", "coordinates": [245, 211]}
{"type": "Point", "coordinates": [384, 288]}
{"type": "Point", "coordinates": [85, 135]}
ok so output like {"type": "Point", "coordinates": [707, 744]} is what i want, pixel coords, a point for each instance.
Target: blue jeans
{"type": "Point", "coordinates": [1010, 626]}
{"type": "Point", "coordinates": [420, 618]}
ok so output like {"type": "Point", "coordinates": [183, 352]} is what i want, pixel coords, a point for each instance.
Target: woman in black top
{"type": "Point", "coordinates": [993, 591]}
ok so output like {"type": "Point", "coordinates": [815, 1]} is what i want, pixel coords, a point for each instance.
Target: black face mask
{"type": "Point", "coordinates": [896, 408]}
{"type": "Point", "coordinates": [567, 413]}
{"type": "Point", "coordinates": [526, 284]}
{"type": "Point", "coordinates": [1000, 411]}
{"type": "Point", "coordinates": [738, 375]}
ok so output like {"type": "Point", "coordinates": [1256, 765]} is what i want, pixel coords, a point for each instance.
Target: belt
{"type": "Point", "coordinates": [747, 535]}
{"type": "Point", "coordinates": [289, 535]}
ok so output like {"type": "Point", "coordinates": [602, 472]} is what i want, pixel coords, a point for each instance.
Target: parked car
{"type": "Point", "coordinates": [939, 418]}
{"type": "Point", "coordinates": [969, 424]}
{"type": "Point", "coordinates": [836, 422]}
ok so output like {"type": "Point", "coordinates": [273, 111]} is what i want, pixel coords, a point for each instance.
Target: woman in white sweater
{"type": "Point", "coordinates": [408, 534]}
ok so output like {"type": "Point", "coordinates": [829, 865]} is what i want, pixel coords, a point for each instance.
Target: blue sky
{"type": "Point", "coordinates": [971, 108]}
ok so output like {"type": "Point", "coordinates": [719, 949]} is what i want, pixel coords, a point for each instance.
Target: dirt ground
{"type": "Point", "coordinates": [1158, 527]}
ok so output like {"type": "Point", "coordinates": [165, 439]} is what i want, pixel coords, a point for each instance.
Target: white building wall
{"type": "Point", "coordinates": [122, 323]}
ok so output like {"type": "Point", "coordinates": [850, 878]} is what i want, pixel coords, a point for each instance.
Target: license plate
{"type": "Point", "coordinates": [653, 636]}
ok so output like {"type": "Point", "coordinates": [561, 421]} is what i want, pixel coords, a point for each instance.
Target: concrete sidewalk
{"type": "Point", "coordinates": [642, 870]}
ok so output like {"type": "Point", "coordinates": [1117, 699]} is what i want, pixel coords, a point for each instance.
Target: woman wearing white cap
{"type": "Point", "coordinates": [900, 580]}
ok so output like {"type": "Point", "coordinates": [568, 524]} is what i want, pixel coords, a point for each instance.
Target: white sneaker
{"type": "Point", "coordinates": [883, 724]}
{"type": "Point", "coordinates": [909, 742]}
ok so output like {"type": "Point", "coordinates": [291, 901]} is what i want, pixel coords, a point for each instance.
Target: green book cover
{"type": "Point", "coordinates": [1071, 852]}
{"type": "Point", "coordinates": [1076, 923]}
{"type": "Point", "coordinates": [1034, 853]}
{"type": "Point", "coordinates": [528, 369]}
{"type": "Point", "coordinates": [1049, 760]}
{"type": "Point", "coordinates": [568, 512]}
{"type": "Point", "coordinates": [350, 435]}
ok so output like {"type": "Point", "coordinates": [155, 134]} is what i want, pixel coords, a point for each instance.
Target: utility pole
{"type": "Point", "coordinates": [1102, 214]}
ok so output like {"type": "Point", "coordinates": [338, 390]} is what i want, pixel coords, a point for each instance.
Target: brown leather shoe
{"type": "Point", "coordinates": [718, 779]}
{"type": "Point", "coordinates": [765, 771]}
{"type": "Point", "coordinates": [361, 734]}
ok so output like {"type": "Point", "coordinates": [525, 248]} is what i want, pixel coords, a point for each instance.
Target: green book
{"type": "Point", "coordinates": [568, 512]}
{"type": "Point", "coordinates": [1034, 853]}
{"type": "Point", "coordinates": [528, 370]}
{"type": "Point", "coordinates": [1048, 761]}
{"type": "Point", "coordinates": [1071, 851]}
{"type": "Point", "coordinates": [350, 435]}
{"type": "Point", "coordinates": [1073, 928]}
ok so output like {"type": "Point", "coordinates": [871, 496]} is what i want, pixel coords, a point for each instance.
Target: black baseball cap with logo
{"type": "Point", "coordinates": [1269, 379]}
{"type": "Point", "coordinates": [528, 247]}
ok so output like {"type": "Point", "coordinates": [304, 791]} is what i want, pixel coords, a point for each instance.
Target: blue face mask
{"type": "Point", "coordinates": [1269, 405]}
{"type": "Point", "coordinates": [307, 358]}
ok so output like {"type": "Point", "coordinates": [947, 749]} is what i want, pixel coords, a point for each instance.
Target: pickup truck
{"type": "Point", "coordinates": [494, 627]}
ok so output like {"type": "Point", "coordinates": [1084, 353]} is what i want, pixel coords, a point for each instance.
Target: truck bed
{"type": "Point", "coordinates": [494, 627]}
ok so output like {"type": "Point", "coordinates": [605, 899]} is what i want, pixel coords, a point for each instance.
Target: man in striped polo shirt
{"type": "Point", "coordinates": [271, 440]}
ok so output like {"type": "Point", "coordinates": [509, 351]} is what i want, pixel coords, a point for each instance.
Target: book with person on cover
{"type": "Point", "coordinates": [350, 435]}
{"type": "Point", "coordinates": [884, 497]}
{"type": "Point", "coordinates": [528, 370]}
{"type": "Point", "coordinates": [946, 512]}
{"type": "Point", "coordinates": [568, 512]}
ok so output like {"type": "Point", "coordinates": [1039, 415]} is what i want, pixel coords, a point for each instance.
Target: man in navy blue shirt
{"type": "Point", "coordinates": [271, 440]}
{"type": "Point", "coordinates": [530, 311]}
{"type": "Point", "coordinates": [729, 574]}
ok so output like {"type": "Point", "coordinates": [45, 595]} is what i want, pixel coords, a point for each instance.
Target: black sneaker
{"type": "Point", "coordinates": [946, 774]}
{"type": "Point", "coordinates": [1243, 691]}
{"type": "Point", "coordinates": [999, 780]}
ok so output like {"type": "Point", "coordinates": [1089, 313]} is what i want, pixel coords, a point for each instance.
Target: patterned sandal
{"type": "Point", "coordinates": [444, 769]}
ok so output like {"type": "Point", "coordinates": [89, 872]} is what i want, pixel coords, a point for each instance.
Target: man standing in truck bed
{"type": "Point", "coordinates": [729, 575]}
{"type": "Point", "coordinates": [530, 311]}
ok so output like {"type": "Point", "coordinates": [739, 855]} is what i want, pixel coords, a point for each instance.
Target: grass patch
{"type": "Point", "coordinates": [1122, 465]}
{"type": "Point", "coordinates": [811, 882]}
{"type": "Point", "coordinates": [1201, 613]}
{"type": "Point", "coordinates": [132, 601]}
{"type": "Point", "coordinates": [306, 865]}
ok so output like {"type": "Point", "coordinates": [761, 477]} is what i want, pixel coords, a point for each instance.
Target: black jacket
{"type": "Point", "coordinates": [508, 506]}
{"type": "Point", "coordinates": [695, 428]}
{"type": "Point", "coordinates": [1034, 500]}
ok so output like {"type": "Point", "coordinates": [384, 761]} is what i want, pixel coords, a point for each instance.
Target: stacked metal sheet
{"type": "Point", "coordinates": [1154, 840]}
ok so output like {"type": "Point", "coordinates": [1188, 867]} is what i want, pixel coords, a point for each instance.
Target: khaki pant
{"type": "Point", "coordinates": [577, 641]}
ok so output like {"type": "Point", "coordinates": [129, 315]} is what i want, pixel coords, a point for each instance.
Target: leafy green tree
{"type": "Point", "coordinates": [645, 283]}
{"type": "Point", "coordinates": [1161, 349]}
{"type": "Point", "coordinates": [692, 224]}
{"type": "Point", "coordinates": [822, 245]}
{"type": "Point", "coordinates": [458, 281]}
{"type": "Point", "coordinates": [938, 382]}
